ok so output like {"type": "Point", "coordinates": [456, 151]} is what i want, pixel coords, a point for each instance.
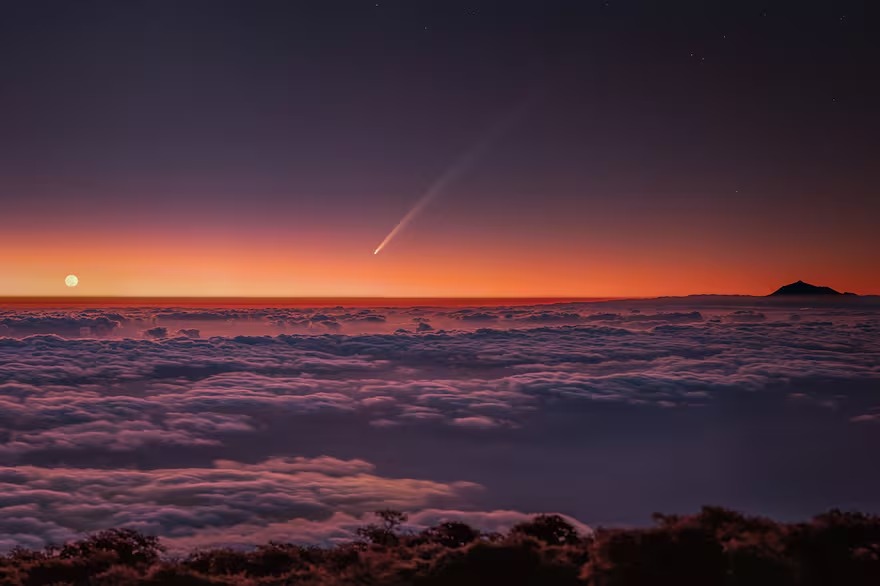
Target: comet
{"type": "Point", "coordinates": [460, 166]}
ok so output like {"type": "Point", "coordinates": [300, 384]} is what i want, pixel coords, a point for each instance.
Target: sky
{"type": "Point", "coordinates": [267, 148]}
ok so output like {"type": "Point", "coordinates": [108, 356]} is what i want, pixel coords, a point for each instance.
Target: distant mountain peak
{"type": "Point", "coordinates": [802, 288]}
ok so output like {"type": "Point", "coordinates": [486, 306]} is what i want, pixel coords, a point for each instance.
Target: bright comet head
{"type": "Point", "coordinates": [71, 280]}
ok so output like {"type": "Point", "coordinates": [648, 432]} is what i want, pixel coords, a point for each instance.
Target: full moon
{"type": "Point", "coordinates": [71, 280]}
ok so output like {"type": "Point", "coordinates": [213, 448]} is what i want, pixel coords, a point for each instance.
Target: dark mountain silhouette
{"type": "Point", "coordinates": [801, 288]}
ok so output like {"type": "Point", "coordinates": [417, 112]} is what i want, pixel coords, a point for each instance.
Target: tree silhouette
{"type": "Point", "coordinates": [716, 547]}
{"type": "Point", "coordinates": [551, 529]}
{"type": "Point", "coordinates": [451, 534]}
{"type": "Point", "coordinates": [127, 546]}
{"type": "Point", "coordinates": [386, 533]}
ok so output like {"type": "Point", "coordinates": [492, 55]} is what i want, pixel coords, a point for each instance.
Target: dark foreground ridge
{"type": "Point", "coordinates": [716, 547]}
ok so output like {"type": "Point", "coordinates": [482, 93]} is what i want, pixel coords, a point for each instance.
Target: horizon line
{"type": "Point", "coordinates": [310, 296]}
{"type": "Point", "coordinates": [314, 301]}
{"type": "Point", "coordinates": [357, 299]}
{"type": "Point", "coordinates": [333, 300]}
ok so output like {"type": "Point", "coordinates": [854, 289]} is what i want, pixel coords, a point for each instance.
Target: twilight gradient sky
{"type": "Point", "coordinates": [266, 147]}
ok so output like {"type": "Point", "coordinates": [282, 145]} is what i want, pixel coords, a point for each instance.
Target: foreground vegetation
{"type": "Point", "coordinates": [715, 547]}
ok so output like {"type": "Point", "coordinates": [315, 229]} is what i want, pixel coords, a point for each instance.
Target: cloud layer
{"type": "Point", "coordinates": [243, 436]}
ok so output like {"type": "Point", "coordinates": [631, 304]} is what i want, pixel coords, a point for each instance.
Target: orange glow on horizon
{"type": "Point", "coordinates": [222, 267]}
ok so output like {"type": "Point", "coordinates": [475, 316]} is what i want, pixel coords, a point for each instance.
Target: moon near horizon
{"type": "Point", "coordinates": [71, 280]}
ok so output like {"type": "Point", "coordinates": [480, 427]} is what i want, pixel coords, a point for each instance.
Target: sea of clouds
{"type": "Point", "coordinates": [234, 426]}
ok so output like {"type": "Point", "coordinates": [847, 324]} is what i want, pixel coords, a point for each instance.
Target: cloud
{"type": "Point", "coordinates": [873, 417]}
{"type": "Point", "coordinates": [128, 394]}
{"type": "Point", "coordinates": [73, 324]}
{"type": "Point", "coordinates": [341, 527]}
{"type": "Point", "coordinates": [241, 501]}
{"type": "Point", "coordinates": [476, 422]}
{"type": "Point", "coordinates": [115, 429]}
{"type": "Point", "coordinates": [746, 315]}
{"type": "Point", "coordinates": [473, 315]}
{"type": "Point", "coordinates": [157, 332]}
